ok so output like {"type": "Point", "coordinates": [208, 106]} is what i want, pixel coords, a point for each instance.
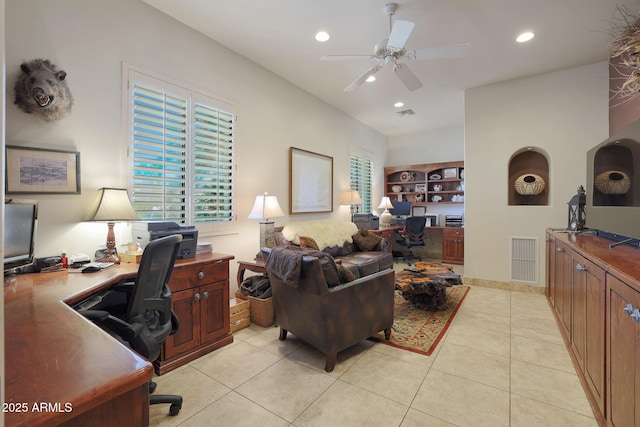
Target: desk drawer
{"type": "Point", "coordinates": [191, 277]}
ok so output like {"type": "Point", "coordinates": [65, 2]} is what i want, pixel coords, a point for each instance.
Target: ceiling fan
{"type": "Point", "coordinates": [390, 50]}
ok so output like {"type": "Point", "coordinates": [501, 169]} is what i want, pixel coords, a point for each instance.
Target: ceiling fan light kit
{"type": "Point", "coordinates": [392, 49]}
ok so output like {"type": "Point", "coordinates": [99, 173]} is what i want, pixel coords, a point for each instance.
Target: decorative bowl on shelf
{"type": "Point", "coordinates": [529, 184]}
{"type": "Point", "coordinates": [437, 187]}
{"type": "Point", "coordinates": [613, 182]}
{"type": "Point", "coordinates": [396, 188]}
{"type": "Point", "coordinates": [434, 177]}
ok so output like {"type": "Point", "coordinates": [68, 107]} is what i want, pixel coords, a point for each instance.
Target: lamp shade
{"type": "Point", "coordinates": [351, 197]}
{"type": "Point", "coordinates": [112, 204]}
{"type": "Point", "coordinates": [385, 204]}
{"type": "Point", "coordinates": [265, 207]}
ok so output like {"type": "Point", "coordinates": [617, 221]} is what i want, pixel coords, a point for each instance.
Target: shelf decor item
{"type": "Point", "coordinates": [435, 177]}
{"type": "Point", "coordinates": [396, 188]}
{"type": "Point", "coordinates": [420, 188]}
{"type": "Point", "coordinates": [437, 187]}
{"type": "Point", "coordinates": [577, 213]}
{"type": "Point", "coordinates": [406, 176]}
{"type": "Point", "coordinates": [613, 182]}
{"type": "Point", "coordinates": [529, 184]}
{"type": "Point", "coordinates": [450, 173]}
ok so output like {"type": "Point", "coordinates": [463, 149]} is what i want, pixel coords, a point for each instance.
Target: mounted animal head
{"type": "Point", "coordinates": [42, 89]}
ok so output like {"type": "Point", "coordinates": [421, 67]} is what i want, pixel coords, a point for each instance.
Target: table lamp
{"type": "Point", "coordinates": [385, 217]}
{"type": "Point", "coordinates": [111, 205]}
{"type": "Point", "coordinates": [351, 198]}
{"type": "Point", "coordinates": [266, 207]}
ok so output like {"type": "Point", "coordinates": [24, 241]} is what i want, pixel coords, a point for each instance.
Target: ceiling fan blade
{"type": "Point", "coordinates": [344, 57]}
{"type": "Point", "coordinates": [356, 84]}
{"type": "Point", "coordinates": [407, 77]}
{"type": "Point", "coordinates": [449, 51]}
{"type": "Point", "coordinates": [400, 34]}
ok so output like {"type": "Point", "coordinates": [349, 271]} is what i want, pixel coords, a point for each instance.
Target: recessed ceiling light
{"type": "Point", "coordinates": [398, 104]}
{"type": "Point", "coordinates": [370, 79]}
{"type": "Point", "coordinates": [525, 37]}
{"type": "Point", "coordinates": [322, 36]}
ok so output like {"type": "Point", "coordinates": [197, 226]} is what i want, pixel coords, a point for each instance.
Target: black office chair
{"type": "Point", "coordinates": [139, 312]}
{"type": "Point", "coordinates": [413, 235]}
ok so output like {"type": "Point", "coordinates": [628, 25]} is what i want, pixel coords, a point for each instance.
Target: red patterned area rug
{"type": "Point", "coordinates": [418, 330]}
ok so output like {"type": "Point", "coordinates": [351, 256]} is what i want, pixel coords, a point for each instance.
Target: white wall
{"type": "Point", "coordinates": [564, 114]}
{"type": "Point", "coordinates": [2, 128]}
{"type": "Point", "coordinates": [90, 39]}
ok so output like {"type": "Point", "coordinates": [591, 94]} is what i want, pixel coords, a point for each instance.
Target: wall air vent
{"type": "Point", "coordinates": [524, 259]}
{"type": "Point", "coordinates": [408, 112]}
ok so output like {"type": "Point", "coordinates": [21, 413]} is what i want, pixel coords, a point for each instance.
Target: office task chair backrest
{"type": "Point", "coordinates": [414, 227]}
{"type": "Point", "coordinates": [151, 298]}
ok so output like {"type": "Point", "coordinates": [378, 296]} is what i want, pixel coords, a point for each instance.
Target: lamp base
{"type": "Point", "coordinates": [110, 255]}
{"type": "Point", "coordinates": [385, 218]}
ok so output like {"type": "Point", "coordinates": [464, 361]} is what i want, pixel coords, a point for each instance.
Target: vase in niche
{"type": "Point", "coordinates": [529, 184]}
{"type": "Point", "coordinates": [613, 182]}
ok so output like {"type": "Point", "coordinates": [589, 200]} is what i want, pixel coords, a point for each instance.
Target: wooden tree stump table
{"type": "Point", "coordinates": [426, 285]}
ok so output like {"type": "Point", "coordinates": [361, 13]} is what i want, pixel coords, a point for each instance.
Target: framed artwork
{"type": "Point", "coordinates": [418, 210]}
{"type": "Point", "coordinates": [450, 173]}
{"type": "Point", "coordinates": [310, 182]}
{"type": "Point", "coordinates": [42, 171]}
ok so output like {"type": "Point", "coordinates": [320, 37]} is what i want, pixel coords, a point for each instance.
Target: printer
{"type": "Point", "coordinates": [366, 221]}
{"type": "Point", "coordinates": [144, 232]}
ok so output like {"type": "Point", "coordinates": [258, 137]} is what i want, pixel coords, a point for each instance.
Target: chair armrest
{"type": "Point", "coordinates": [124, 330]}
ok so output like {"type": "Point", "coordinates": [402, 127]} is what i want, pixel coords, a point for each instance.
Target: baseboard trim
{"type": "Point", "coordinates": [507, 286]}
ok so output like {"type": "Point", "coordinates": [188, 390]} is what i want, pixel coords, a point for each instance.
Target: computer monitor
{"type": "Point", "coordinates": [20, 220]}
{"type": "Point", "coordinates": [401, 209]}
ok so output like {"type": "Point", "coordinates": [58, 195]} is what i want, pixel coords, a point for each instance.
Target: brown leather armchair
{"type": "Point", "coordinates": [328, 318]}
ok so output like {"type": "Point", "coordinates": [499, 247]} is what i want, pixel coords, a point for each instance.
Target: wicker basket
{"type": "Point", "coordinates": [262, 312]}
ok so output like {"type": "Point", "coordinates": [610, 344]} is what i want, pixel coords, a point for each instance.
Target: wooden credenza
{"type": "Point", "coordinates": [453, 245]}
{"type": "Point", "coordinates": [200, 300]}
{"type": "Point", "coordinates": [595, 295]}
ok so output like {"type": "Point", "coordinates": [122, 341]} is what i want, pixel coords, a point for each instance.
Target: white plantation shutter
{"type": "Point", "coordinates": [360, 172]}
{"type": "Point", "coordinates": [182, 154]}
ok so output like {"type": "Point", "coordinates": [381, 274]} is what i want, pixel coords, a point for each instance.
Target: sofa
{"type": "Point", "coordinates": [315, 305]}
{"type": "Point", "coordinates": [359, 251]}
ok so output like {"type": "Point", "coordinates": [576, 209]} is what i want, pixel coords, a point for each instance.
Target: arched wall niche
{"type": "Point", "coordinates": [614, 180]}
{"type": "Point", "coordinates": [529, 178]}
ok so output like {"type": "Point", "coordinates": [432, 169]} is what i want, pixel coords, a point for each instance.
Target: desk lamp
{"type": "Point", "coordinates": [351, 198]}
{"type": "Point", "coordinates": [266, 207]}
{"type": "Point", "coordinates": [385, 217]}
{"type": "Point", "coordinates": [111, 205]}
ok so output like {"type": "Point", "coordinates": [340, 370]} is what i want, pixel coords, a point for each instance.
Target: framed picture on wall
{"type": "Point", "coordinates": [310, 182]}
{"type": "Point", "coordinates": [42, 171]}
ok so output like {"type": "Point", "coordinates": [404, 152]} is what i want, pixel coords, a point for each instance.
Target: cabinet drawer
{"type": "Point", "coordinates": [453, 232]}
{"type": "Point", "coordinates": [190, 277]}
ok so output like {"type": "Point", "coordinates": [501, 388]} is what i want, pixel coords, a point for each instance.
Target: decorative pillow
{"type": "Point", "coordinates": [366, 240]}
{"type": "Point", "coordinates": [330, 271]}
{"type": "Point", "coordinates": [308, 243]}
{"type": "Point", "coordinates": [346, 275]}
{"type": "Point", "coordinates": [337, 251]}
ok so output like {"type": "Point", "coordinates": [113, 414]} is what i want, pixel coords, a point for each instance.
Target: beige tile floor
{"type": "Point", "coordinates": [502, 363]}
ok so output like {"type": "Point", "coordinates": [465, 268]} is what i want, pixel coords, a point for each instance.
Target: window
{"type": "Point", "coordinates": [360, 171]}
{"type": "Point", "coordinates": [181, 154]}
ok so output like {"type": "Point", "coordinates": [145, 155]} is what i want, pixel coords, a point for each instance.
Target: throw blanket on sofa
{"type": "Point", "coordinates": [325, 233]}
{"type": "Point", "coordinates": [286, 263]}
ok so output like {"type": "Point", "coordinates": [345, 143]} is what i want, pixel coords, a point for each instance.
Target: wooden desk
{"type": "Point", "coordinates": [56, 358]}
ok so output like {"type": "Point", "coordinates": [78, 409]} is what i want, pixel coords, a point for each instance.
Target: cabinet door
{"type": "Point", "coordinates": [187, 310]}
{"type": "Point", "coordinates": [551, 269]}
{"type": "Point", "coordinates": [563, 287]}
{"type": "Point", "coordinates": [623, 355]}
{"type": "Point", "coordinates": [588, 320]}
{"type": "Point", "coordinates": [453, 245]}
{"type": "Point", "coordinates": [214, 310]}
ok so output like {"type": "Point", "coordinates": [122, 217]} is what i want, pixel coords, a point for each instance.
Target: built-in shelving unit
{"type": "Point", "coordinates": [425, 184]}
